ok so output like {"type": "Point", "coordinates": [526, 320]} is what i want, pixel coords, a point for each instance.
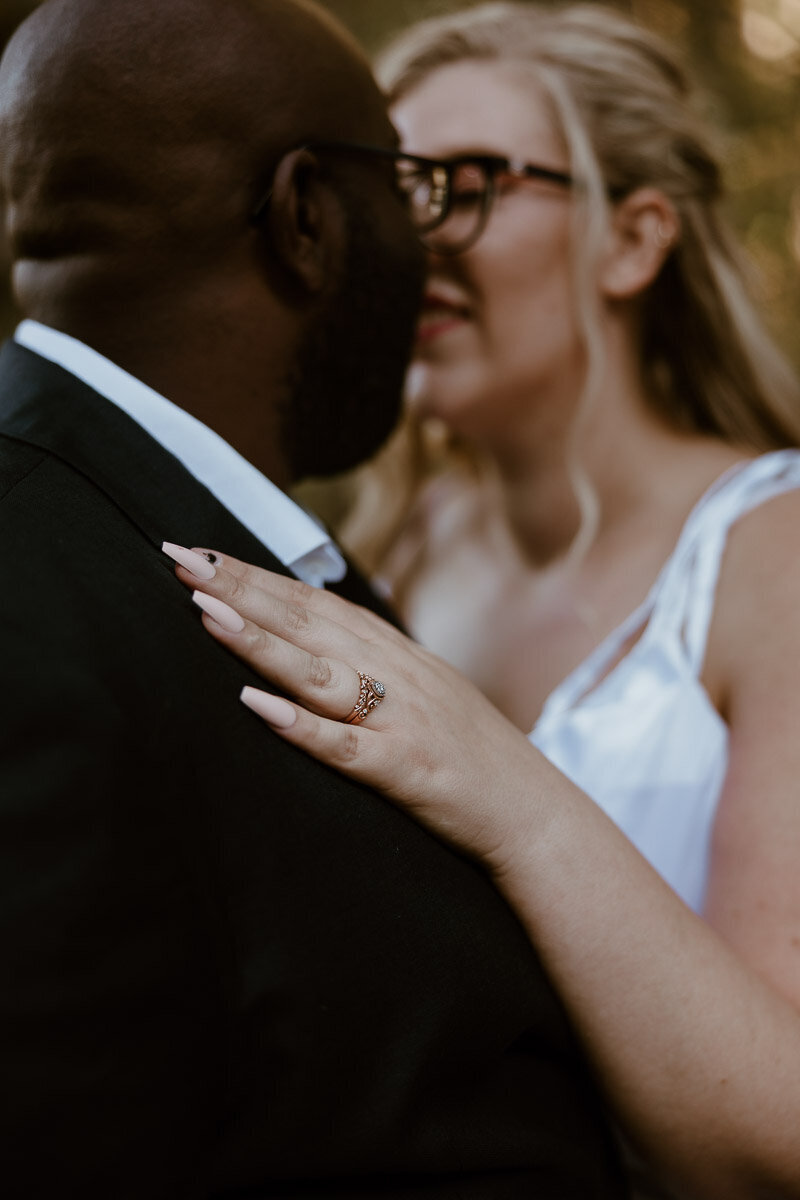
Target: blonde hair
{"type": "Point", "coordinates": [624, 105]}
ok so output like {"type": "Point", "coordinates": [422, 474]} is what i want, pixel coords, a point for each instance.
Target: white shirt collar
{"type": "Point", "coordinates": [282, 526]}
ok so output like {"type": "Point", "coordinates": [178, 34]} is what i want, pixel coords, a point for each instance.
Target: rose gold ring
{"type": "Point", "coordinates": [370, 693]}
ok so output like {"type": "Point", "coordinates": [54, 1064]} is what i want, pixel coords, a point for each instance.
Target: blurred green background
{"type": "Point", "coordinates": [746, 57]}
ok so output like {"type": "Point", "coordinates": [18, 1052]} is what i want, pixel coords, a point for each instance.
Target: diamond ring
{"type": "Point", "coordinates": [370, 693]}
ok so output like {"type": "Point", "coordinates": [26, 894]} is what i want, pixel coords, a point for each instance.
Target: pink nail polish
{"type": "Point", "coordinates": [221, 612]}
{"type": "Point", "coordinates": [271, 708]}
{"type": "Point", "coordinates": [199, 566]}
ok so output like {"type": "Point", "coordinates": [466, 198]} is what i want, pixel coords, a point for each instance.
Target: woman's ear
{"type": "Point", "coordinates": [644, 229]}
{"type": "Point", "coordinates": [304, 221]}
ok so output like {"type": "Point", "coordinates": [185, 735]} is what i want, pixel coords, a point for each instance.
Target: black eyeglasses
{"type": "Point", "coordinates": [464, 200]}
{"type": "Point", "coordinates": [448, 200]}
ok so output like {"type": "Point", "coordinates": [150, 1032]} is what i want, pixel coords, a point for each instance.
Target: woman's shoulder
{"type": "Point", "coordinates": [757, 506]}
{"type": "Point", "coordinates": [763, 542]}
{"type": "Point", "coordinates": [757, 607]}
{"type": "Point", "coordinates": [749, 500]}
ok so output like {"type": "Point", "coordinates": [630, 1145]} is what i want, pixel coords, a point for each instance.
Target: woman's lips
{"type": "Point", "coordinates": [438, 315]}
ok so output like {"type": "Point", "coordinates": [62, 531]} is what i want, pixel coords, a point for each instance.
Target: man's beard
{"type": "Point", "coordinates": [347, 391]}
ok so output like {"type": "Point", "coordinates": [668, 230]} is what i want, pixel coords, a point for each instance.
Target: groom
{"type": "Point", "coordinates": [224, 970]}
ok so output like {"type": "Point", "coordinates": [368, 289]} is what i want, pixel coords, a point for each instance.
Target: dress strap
{"type": "Point", "coordinates": [683, 596]}
{"type": "Point", "coordinates": [679, 606]}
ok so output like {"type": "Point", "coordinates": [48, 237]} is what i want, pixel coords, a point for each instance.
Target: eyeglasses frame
{"type": "Point", "coordinates": [385, 152]}
{"type": "Point", "coordinates": [442, 171]}
{"type": "Point", "coordinates": [492, 166]}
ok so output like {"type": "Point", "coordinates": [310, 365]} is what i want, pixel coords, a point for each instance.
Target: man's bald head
{"type": "Point", "coordinates": [136, 138]}
{"type": "Point", "coordinates": [138, 124]}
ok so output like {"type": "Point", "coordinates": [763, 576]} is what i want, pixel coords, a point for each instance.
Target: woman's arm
{"type": "Point", "coordinates": [753, 667]}
{"type": "Point", "coordinates": [698, 1053]}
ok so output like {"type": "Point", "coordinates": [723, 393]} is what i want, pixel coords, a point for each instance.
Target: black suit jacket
{"type": "Point", "coordinates": [226, 970]}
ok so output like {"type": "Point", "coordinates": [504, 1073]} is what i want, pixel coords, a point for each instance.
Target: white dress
{"type": "Point", "coordinates": [643, 738]}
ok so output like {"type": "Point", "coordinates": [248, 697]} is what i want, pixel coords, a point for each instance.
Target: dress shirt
{"type": "Point", "coordinates": [294, 537]}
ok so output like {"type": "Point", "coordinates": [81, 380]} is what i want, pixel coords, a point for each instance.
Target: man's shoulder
{"type": "Point", "coordinates": [42, 496]}
{"type": "Point", "coordinates": [18, 460]}
{"type": "Point", "coordinates": [77, 565]}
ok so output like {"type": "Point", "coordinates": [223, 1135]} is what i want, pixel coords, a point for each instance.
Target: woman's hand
{"type": "Point", "coordinates": [698, 1055]}
{"type": "Point", "coordinates": [433, 743]}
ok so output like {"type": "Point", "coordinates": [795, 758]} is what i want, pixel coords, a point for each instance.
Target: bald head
{"type": "Point", "coordinates": [138, 127]}
{"type": "Point", "coordinates": [137, 138]}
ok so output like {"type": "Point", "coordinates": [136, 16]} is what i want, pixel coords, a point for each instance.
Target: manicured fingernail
{"type": "Point", "coordinates": [221, 612]}
{"type": "Point", "coordinates": [271, 708]}
{"type": "Point", "coordinates": [199, 566]}
{"type": "Point", "coordinates": [210, 556]}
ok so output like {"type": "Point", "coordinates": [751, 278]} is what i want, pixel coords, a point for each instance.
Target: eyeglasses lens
{"type": "Point", "coordinates": [447, 203]}
{"type": "Point", "coordinates": [426, 191]}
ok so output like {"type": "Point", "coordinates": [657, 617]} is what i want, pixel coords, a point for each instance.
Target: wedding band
{"type": "Point", "coordinates": [370, 693]}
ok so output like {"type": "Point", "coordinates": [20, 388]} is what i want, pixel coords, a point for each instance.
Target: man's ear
{"type": "Point", "coordinates": [304, 221]}
{"type": "Point", "coordinates": [644, 229]}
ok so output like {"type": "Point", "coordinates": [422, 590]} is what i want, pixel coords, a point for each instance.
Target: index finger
{"type": "Point", "coordinates": [310, 617]}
